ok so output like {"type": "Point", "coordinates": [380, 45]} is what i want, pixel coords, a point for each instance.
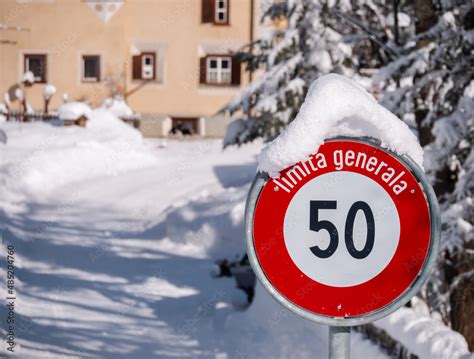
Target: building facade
{"type": "Point", "coordinates": [171, 59]}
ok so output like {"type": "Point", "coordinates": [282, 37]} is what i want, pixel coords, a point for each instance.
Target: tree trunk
{"type": "Point", "coordinates": [462, 309]}
{"type": "Point", "coordinates": [425, 19]}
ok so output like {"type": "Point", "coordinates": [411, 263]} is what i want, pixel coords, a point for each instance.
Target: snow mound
{"type": "Point", "coordinates": [40, 158]}
{"type": "Point", "coordinates": [423, 336]}
{"type": "Point", "coordinates": [337, 106]}
{"type": "Point", "coordinates": [74, 110]}
{"type": "Point", "coordinates": [117, 106]}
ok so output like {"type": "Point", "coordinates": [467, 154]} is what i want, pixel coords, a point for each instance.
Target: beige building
{"type": "Point", "coordinates": [172, 59]}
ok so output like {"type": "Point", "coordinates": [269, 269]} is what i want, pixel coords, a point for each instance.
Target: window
{"type": "Point", "coordinates": [91, 68]}
{"type": "Point", "coordinates": [37, 65]}
{"type": "Point", "coordinates": [221, 12]}
{"type": "Point", "coordinates": [215, 11]}
{"type": "Point", "coordinates": [144, 66]}
{"type": "Point", "coordinates": [219, 70]}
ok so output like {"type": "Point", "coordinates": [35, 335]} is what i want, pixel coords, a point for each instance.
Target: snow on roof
{"type": "Point", "coordinates": [73, 110]}
{"type": "Point", "coordinates": [337, 106]}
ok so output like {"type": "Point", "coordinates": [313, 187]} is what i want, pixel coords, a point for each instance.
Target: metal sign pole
{"type": "Point", "coordinates": [339, 342]}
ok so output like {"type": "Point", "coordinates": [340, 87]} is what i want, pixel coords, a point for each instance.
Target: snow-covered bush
{"type": "Point", "coordinates": [28, 78]}
{"type": "Point", "coordinates": [48, 93]}
{"type": "Point", "coordinates": [117, 106]}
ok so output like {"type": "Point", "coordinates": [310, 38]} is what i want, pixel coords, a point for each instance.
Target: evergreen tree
{"type": "Point", "coordinates": [424, 54]}
{"type": "Point", "coordinates": [431, 87]}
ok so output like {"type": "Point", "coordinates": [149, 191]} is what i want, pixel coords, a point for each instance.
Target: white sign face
{"type": "Point", "coordinates": [349, 222]}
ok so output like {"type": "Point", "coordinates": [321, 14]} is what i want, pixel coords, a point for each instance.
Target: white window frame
{"type": "Point", "coordinates": [219, 71]}
{"type": "Point", "coordinates": [83, 69]}
{"type": "Point", "coordinates": [223, 10]}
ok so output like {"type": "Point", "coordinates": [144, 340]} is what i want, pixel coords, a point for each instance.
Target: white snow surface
{"type": "Point", "coordinates": [113, 255]}
{"type": "Point", "coordinates": [114, 241]}
{"type": "Point", "coordinates": [74, 110]}
{"type": "Point", "coordinates": [337, 106]}
{"type": "Point", "coordinates": [423, 336]}
{"type": "Point", "coordinates": [39, 158]}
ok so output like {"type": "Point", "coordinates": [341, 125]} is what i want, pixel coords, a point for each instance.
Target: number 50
{"type": "Point", "coordinates": [316, 225]}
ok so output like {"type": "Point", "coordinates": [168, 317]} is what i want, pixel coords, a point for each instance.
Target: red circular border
{"type": "Point", "coordinates": [366, 297]}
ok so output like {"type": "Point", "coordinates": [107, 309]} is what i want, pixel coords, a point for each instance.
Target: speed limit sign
{"type": "Point", "coordinates": [345, 237]}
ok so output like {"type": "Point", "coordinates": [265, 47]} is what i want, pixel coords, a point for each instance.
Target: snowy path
{"type": "Point", "coordinates": [117, 266]}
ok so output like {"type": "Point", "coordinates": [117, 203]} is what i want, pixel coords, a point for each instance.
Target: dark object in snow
{"type": "Point", "coordinates": [3, 137]}
{"type": "Point", "coordinates": [183, 128]}
{"type": "Point", "coordinates": [81, 122]}
{"type": "Point", "coordinates": [242, 273]}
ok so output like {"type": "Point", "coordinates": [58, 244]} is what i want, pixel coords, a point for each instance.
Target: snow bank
{"type": "Point", "coordinates": [337, 106]}
{"type": "Point", "coordinates": [39, 158]}
{"type": "Point", "coordinates": [74, 110]}
{"type": "Point", "coordinates": [423, 336]}
{"type": "Point", "coordinates": [117, 106]}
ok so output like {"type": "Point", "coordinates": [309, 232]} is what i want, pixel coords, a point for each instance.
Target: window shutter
{"type": "Point", "coordinates": [97, 64]}
{"type": "Point", "coordinates": [235, 71]}
{"type": "Point", "coordinates": [207, 11]}
{"type": "Point", "coordinates": [202, 70]}
{"type": "Point", "coordinates": [137, 67]}
{"type": "Point", "coordinates": [154, 65]}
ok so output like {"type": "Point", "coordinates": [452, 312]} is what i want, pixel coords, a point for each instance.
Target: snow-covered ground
{"type": "Point", "coordinates": [114, 239]}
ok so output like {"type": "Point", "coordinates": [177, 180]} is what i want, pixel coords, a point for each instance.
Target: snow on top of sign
{"type": "Point", "coordinates": [337, 106]}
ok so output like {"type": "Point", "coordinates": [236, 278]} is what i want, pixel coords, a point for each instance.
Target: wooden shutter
{"type": "Point", "coordinates": [137, 67]}
{"type": "Point", "coordinates": [154, 65]}
{"type": "Point", "coordinates": [202, 70]}
{"type": "Point", "coordinates": [235, 71]}
{"type": "Point", "coordinates": [207, 11]}
{"type": "Point", "coordinates": [97, 67]}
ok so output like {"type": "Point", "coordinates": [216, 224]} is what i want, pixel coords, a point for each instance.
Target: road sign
{"type": "Point", "coordinates": [345, 237]}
